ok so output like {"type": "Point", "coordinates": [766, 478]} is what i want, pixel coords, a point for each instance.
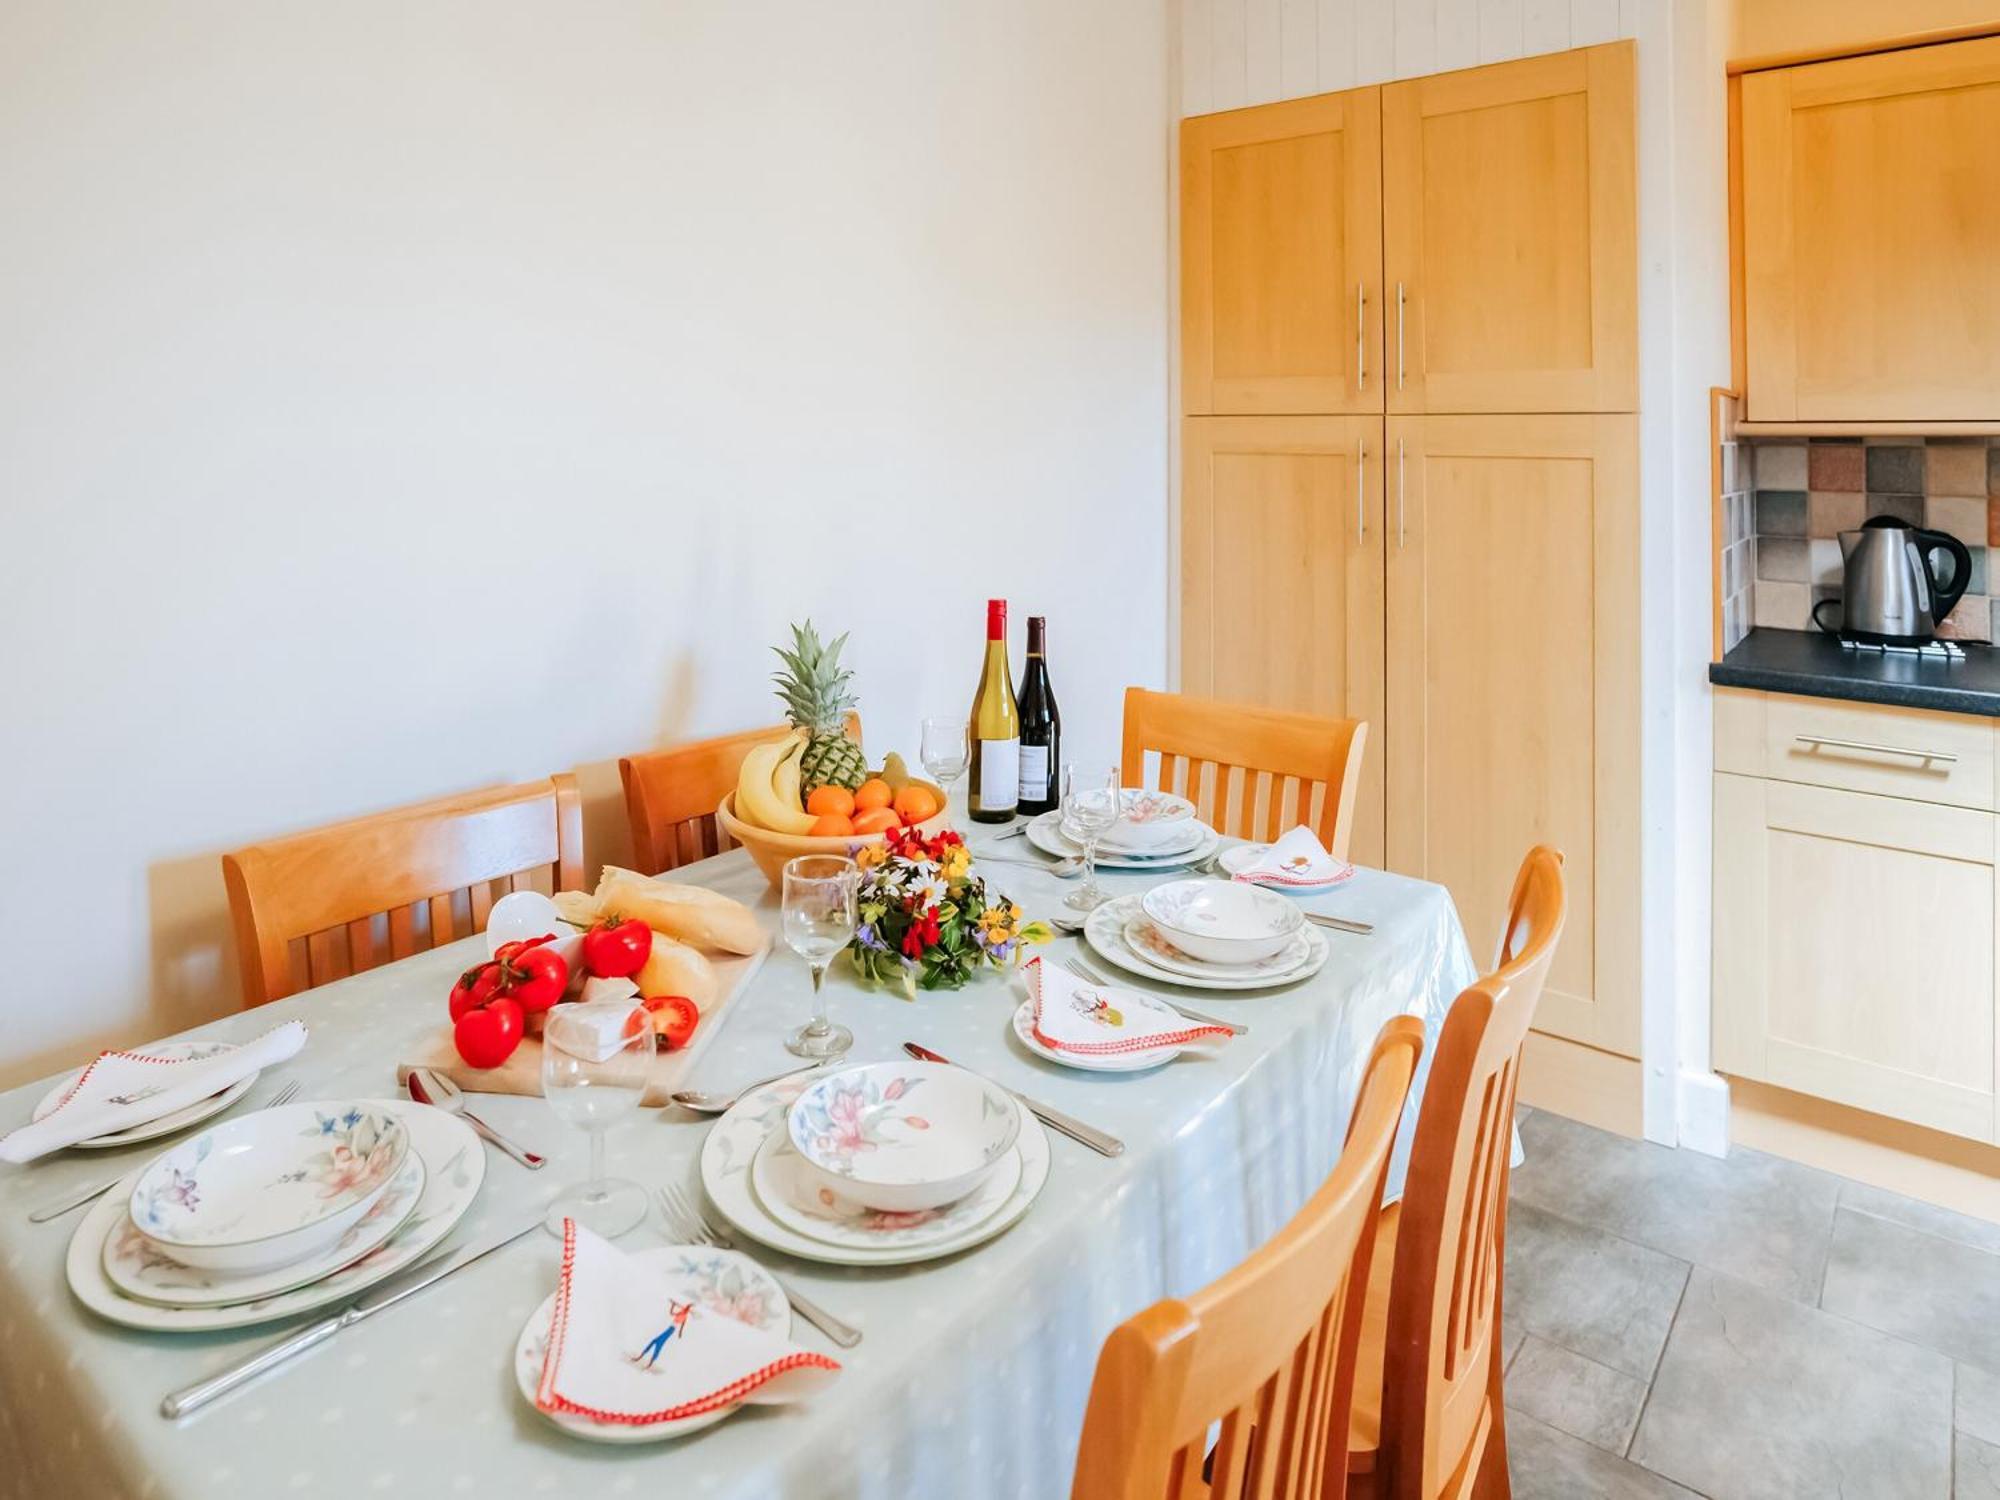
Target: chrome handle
{"type": "Point", "coordinates": [1399, 335]}
{"type": "Point", "coordinates": [194, 1397]}
{"type": "Point", "coordinates": [1360, 494]}
{"type": "Point", "coordinates": [1360, 335]}
{"type": "Point", "coordinates": [1401, 492]}
{"type": "Point", "coordinates": [1823, 742]}
{"type": "Point", "coordinates": [844, 1334]}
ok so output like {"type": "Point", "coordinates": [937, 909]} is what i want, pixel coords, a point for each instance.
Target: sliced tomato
{"type": "Point", "coordinates": [674, 1019]}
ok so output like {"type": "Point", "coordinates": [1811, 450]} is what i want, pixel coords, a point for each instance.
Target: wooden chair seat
{"type": "Point", "coordinates": [1364, 1426]}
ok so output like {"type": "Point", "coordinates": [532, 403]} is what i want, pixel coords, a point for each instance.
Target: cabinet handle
{"type": "Point", "coordinates": [1360, 494]}
{"type": "Point", "coordinates": [1401, 491]}
{"type": "Point", "coordinates": [1822, 742]}
{"type": "Point", "coordinates": [1360, 336]}
{"type": "Point", "coordinates": [1399, 335]}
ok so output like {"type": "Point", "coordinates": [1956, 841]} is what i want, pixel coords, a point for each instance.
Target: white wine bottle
{"type": "Point", "coordinates": [994, 733]}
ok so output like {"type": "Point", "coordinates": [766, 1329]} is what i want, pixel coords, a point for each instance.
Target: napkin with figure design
{"type": "Point", "coordinates": [1299, 858]}
{"type": "Point", "coordinates": [1090, 1020]}
{"type": "Point", "coordinates": [623, 1347]}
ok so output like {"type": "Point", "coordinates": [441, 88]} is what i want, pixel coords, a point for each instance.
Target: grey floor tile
{"type": "Point", "coordinates": [1545, 1464]}
{"type": "Point", "coordinates": [1510, 1339]}
{"type": "Point", "coordinates": [1975, 1405]}
{"type": "Point", "coordinates": [1600, 1296]}
{"type": "Point", "coordinates": [1759, 1398]}
{"type": "Point", "coordinates": [1928, 1217]}
{"type": "Point", "coordinates": [1751, 1216]}
{"type": "Point", "coordinates": [1577, 1395]}
{"type": "Point", "coordinates": [1975, 1469]}
{"type": "Point", "coordinates": [1931, 1291]}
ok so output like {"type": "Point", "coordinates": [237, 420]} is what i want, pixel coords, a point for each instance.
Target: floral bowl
{"type": "Point", "coordinates": [1149, 821]}
{"type": "Point", "coordinates": [772, 850]}
{"type": "Point", "coordinates": [902, 1136]}
{"type": "Point", "coordinates": [270, 1188]}
{"type": "Point", "coordinates": [1222, 921]}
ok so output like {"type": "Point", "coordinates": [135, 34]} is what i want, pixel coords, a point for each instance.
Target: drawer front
{"type": "Point", "coordinates": [1858, 747]}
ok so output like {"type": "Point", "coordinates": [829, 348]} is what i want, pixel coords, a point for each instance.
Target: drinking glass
{"type": "Point", "coordinates": [594, 1066]}
{"type": "Point", "coordinates": [819, 922]}
{"type": "Point", "coordinates": [945, 752]}
{"type": "Point", "coordinates": [1092, 799]}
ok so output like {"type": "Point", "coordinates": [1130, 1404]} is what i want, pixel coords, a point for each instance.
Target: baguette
{"type": "Point", "coordinates": [674, 968]}
{"type": "Point", "coordinates": [686, 912]}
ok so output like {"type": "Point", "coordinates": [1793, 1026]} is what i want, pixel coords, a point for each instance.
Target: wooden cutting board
{"type": "Point", "coordinates": [522, 1073]}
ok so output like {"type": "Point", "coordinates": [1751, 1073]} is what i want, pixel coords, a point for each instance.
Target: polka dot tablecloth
{"type": "Point", "coordinates": [972, 1377]}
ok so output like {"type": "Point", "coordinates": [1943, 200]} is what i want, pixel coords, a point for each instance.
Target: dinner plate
{"type": "Point", "coordinates": [167, 1124]}
{"type": "Point", "coordinates": [1157, 949]}
{"type": "Point", "coordinates": [454, 1168]}
{"type": "Point", "coordinates": [730, 1151]}
{"type": "Point", "coordinates": [1109, 1062]}
{"type": "Point", "coordinates": [141, 1269]}
{"type": "Point", "coordinates": [1045, 833]}
{"type": "Point", "coordinates": [1239, 857]}
{"type": "Point", "coordinates": [722, 1281]}
{"type": "Point", "coordinates": [789, 1195]}
{"type": "Point", "coordinates": [1105, 930]}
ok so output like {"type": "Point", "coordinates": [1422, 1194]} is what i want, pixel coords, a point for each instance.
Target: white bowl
{"type": "Point", "coordinates": [1222, 921]}
{"type": "Point", "coordinates": [269, 1188]}
{"type": "Point", "coordinates": [1151, 820]}
{"type": "Point", "coordinates": [902, 1136]}
{"type": "Point", "coordinates": [520, 915]}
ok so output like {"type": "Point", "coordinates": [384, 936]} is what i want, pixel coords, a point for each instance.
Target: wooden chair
{"type": "Point", "coordinates": [1428, 1418]}
{"type": "Point", "coordinates": [1268, 1350]}
{"type": "Point", "coordinates": [670, 795]}
{"type": "Point", "coordinates": [1252, 772]}
{"type": "Point", "coordinates": [397, 881]}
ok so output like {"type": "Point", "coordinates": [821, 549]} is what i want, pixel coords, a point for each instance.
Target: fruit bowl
{"type": "Point", "coordinates": [770, 850]}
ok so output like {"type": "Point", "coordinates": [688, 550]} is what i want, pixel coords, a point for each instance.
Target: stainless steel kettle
{"type": "Point", "coordinates": [1892, 594]}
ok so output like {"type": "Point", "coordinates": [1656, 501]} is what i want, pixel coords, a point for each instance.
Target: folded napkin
{"type": "Point", "coordinates": [1299, 858]}
{"type": "Point", "coordinates": [630, 1344]}
{"type": "Point", "coordinates": [1072, 1016]}
{"type": "Point", "coordinates": [123, 1089]}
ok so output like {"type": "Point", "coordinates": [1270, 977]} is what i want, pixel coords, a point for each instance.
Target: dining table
{"type": "Point", "coordinates": [973, 1371]}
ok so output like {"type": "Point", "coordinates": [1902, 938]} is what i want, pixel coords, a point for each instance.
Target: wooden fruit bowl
{"type": "Point", "coordinates": [771, 850]}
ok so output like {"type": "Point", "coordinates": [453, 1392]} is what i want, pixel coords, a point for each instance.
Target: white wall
{"type": "Point", "coordinates": [397, 399]}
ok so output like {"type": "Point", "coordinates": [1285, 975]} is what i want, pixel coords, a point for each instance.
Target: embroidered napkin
{"type": "Point", "coordinates": [623, 1347]}
{"type": "Point", "coordinates": [1072, 1016]}
{"type": "Point", "coordinates": [1298, 858]}
{"type": "Point", "coordinates": [123, 1089]}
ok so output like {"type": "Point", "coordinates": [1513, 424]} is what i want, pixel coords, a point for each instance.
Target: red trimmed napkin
{"type": "Point", "coordinates": [1299, 858]}
{"type": "Point", "coordinates": [1070, 1015]}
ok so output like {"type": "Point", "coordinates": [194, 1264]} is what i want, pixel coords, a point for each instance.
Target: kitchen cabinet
{"type": "Point", "coordinates": [1870, 203]}
{"type": "Point", "coordinates": [1281, 574]}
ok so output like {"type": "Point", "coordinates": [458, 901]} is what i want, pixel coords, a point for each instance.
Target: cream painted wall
{"type": "Point", "coordinates": [1767, 27]}
{"type": "Point", "coordinates": [398, 399]}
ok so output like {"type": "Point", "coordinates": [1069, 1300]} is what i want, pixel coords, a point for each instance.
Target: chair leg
{"type": "Point", "coordinates": [1493, 1482]}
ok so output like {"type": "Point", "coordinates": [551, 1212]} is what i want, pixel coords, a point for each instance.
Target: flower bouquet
{"type": "Point", "coordinates": [925, 920]}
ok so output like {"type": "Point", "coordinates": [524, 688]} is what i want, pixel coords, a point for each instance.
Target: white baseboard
{"type": "Point", "coordinates": [1704, 1112]}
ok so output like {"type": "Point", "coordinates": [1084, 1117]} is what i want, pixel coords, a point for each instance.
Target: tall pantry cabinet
{"type": "Point", "coordinates": [1409, 478]}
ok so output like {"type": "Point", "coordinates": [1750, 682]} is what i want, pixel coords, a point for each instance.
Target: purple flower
{"type": "Point", "coordinates": [868, 937]}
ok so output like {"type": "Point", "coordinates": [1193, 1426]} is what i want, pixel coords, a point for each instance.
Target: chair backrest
{"type": "Point", "coordinates": [1441, 1357]}
{"type": "Point", "coordinates": [358, 893]}
{"type": "Point", "coordinates": [1253, 772]}
{"type": "Point", "coordinates": [670, 795]}
{"type": "Point", "coordinates": [1268, 1350]}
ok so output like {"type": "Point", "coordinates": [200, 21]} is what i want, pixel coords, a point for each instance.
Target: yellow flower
{"type": "Point", "coordinates": [997, 922]}
{"type": "Point", "coordinates": [868, 856]}
{"type": "Point", "coordinates": [957, 860]}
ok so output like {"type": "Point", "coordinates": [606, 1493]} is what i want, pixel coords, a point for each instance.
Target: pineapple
{"type": "Point", "coordinates": [817, 700]}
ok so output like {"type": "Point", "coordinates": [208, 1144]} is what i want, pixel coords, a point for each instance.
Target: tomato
{"type": "Point", "coordinates": [474, 988]}
{"type": "Point", "coordinates": [535, 978]}
{"type": "Point", "coordinates": [487, 1037]}
{"type": "Point", "coordinates": [674, 1019]}
{"type": "Point", "coordinates": [617, 950]}
{"type": "Point", "coordinates": [521, 945]}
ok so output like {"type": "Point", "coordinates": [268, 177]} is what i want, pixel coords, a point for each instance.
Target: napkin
{"type": "Point", "coordinates": [1072, 1016]}
{"type": "Point", "coordinates": [1298, 858]}
{"type": "Point", "coordinates": [623, 1347]}
{"type": "Point", "coordinates": [123, 1089]}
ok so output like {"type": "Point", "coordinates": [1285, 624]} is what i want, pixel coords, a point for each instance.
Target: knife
{"type": "Point", "coordinates": [425, 1274]}
{"type": "Point", "coordinates": [1055, 1119]}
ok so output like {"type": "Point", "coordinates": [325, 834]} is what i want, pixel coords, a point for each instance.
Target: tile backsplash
{"type": "Point", "coordinates": [1803, 494]}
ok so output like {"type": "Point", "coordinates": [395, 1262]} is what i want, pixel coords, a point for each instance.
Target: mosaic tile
{"type": "Point", "coordinates": [1971, 619]}
{"type": "Point", "coordinates": [1909, 509]}
{"type": "Point", "coordinates": [1781, 513]}
{"type": "Point", "coordinates": [1781, 559]}
{"type": "Point", "coordinates": [1824, 567]}
{"type": "Point", "coordinates": [1830, 512]}
{"type": "Point", "coordinates": [1781, 466]}
{"type": "Point", "coordinates": [1962, 518]}
{"type": "Point", "coordinates": [1781, 606]}
{"type": "Point", "coordinates": [1895, 471]}
{"type": "Point", "coordinates": [1954, 468]}
{"type": "Point", "coordinates": [1836, 466]}
{"type": "Point", "coordinates": [1993, 520]}
{"type": "Point", "coordinates": [1993, 468]}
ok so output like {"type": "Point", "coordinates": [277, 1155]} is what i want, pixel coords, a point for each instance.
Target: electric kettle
{"type": "Point", "coordinates": [1892, 595]}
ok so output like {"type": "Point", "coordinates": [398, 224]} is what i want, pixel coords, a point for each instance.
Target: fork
{"type": "Point", "coordinates": [62, 1206]}
{"type": "Point", "coordinates": [1089, 975]}
{"type": "Point", "coordinates": [686, 1222]}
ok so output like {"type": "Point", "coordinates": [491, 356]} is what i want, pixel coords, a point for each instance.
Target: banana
{"type": "Point", "coordinates": [786, 781]}
{"type": "Point", "coordinates": [757, 798]}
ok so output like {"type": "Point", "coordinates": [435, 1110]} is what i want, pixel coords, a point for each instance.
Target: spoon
{"type": "Point", "coordinates": [428, 1086]}
{"type": "Point", "coordinates": [1062, 869]}
{"type": "Point", "coordinates": [704, 1102]}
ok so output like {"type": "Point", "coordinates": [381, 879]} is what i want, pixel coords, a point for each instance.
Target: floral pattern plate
{"type": "Point", "coordinates": [1105, 927]}
{"type": "Point", "coordinates": [734, 1141]}
{"type": "Point", "coordinates": [719, 1280]}
{"type": "Point", "coordinates": [789, 1195]}
{"type": "Point", "coordinates": [167, 1124]}
{"type": "Point", "coordinates": [1106, 1062]}
{"type": "Point", "coordinates": [1157, 949]}
{"type": "Point", "coordinates": [1045, 833]}
{"type": "Point", "coordinates": [454, 1168]}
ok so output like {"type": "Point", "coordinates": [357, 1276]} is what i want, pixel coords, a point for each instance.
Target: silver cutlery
{"type": "Point", "coordinates": [1340, 924]}
{"type": "Point", "coordinates": [1055, 1119]}
{"type": "Point", "coordinates": [377, 1299]}
{"type": "Point", "coordinates": [62, 1206]}
{"type": "Point", "coordinates": [1089, 975]}
{"type": "Point", "coordinates": [1062, 869]}
{"type": "Point", "coordinates": [705, 1102]}
{"type": "Point", "coordinates": [686, 1222]}
{"type": "Point", "coordinates": [428, 1086]}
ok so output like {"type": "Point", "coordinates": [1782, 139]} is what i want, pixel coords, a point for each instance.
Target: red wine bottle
{"type": "Point", "coordinates": [1041, 728]}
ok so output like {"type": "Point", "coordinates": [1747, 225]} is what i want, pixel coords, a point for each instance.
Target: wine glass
{"type": "Point", "coordinates": [1092, 799]}
{"type": "Point", "coordinates": [594, 1063]}
{"type": "Point", "coordinates": [819, 922]}
{"type": "Point", "coordinates": [945, 751]}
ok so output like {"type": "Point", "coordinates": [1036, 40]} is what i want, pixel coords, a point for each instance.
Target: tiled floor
{"type": "Point", "coordinates": [1746, 1329]}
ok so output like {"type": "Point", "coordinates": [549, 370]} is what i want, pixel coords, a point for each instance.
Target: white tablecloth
{"type": "Point", "coordinates": [972, 1378]}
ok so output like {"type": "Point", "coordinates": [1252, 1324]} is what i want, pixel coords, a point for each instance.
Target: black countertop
{"type": "Point", "coordinates": [1813, 663]}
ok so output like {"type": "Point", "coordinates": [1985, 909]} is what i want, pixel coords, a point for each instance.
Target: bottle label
{"type": "Point", "coordinates": [999, 774]}
{"type": "Point", "coordinates": [1034, 773]}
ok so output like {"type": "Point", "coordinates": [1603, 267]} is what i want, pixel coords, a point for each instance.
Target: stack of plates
{"type": "Point", "coordinates": [166, 1124]}
{"type": "Point", "coordinates": [276, 1214]}
{"type": "Point", "coordinates": [1122, 931]}
{"type": "Point", "coordinates": [1188, 842]}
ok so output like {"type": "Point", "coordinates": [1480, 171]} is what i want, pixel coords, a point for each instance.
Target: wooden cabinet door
{"type": "Point", "coordinates": [1281, 257]}
{"type": "Point", "coordinates": [1510, 232]}
{"type": "Point", "coordinates": [1281, 575]}
{"type": "Point", "coordinates": [1513, 686]}
{"type": "Point", "coordinates": [1871, 237]}
{"type": "Point", "coordinates": [1854, 950]}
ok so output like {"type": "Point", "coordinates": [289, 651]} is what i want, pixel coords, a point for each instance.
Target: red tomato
{"type": "Point", "coordinates": [507, 950]}
{"type": "Point", "coordinates": [487, 1037]}
{"type": "Point", "coordinates": [474, 988]}
{"type": "Point", "coordinates": [535, 978]}
{"type": "Point", "coordinates": [674, 1019]}
{"type": "Point", "coordinates": [617, 950]}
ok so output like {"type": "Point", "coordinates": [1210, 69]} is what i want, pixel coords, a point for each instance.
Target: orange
{"type": "Point", "coordinates": [876, 820]}
{"type": "Point", "coordinates": [831, 801]}
{"type": "Point", "coordinates": [831, 825]}
{"type": "Point", "coordinates": [915, 803]}
{"type": "Point", "coordinates": [871, 794]}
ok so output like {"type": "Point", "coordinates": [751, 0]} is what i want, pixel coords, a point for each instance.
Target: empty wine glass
{"type": "Point", "coordinates": [594, 1066]}
{"type": "Point", "coordinates": [945, 751]}
{"type": "Point", "coordinates": [819, 922]}
{"type": "Point", "coordinates": [1092, 799]}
